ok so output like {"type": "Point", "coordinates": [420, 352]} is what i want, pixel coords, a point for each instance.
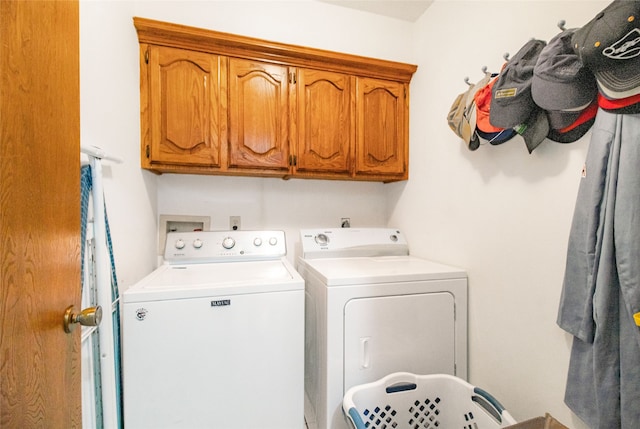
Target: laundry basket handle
{"type": "Point", "coordinates": [488, 402]}
{"type": "Point", "coordinates": [356, 420]}
{"type": "Point", "coordinates": [400, 387]}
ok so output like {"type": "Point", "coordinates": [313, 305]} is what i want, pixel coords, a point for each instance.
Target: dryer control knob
{"type": "Point", "coordinates": [179, 244]}
{"type": "Point", "coordinates": [228, 243]}
{"type": "Point", "coordinates": [197, 243]}
{"type": "Point", "coordinates": [257, 241]}
{"type": "Point", "coordinates": [322, 239]}
{"type": "Point", "coordinates": [273, 241]}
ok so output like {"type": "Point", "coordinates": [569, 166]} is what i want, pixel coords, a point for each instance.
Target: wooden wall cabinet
{"type": "Point", "coordinates": [217, 103]}
{"type": "Point", "coordinates": [324, 133]}
{"type": "Point", "coordinates": [183, 116]}
{"type": "Point", "coordinates": [382, 118]}
{"type": "Point", "coordinates": [258, 115]}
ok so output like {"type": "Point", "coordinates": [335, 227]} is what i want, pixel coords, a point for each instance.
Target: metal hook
{"type": "Point", "coordinates": [484, 69]}
{"type": "Point", "coordinates": [506, 56]}
{"type": "Point", "coordinates": [466, 80]}
{"type": "Point", "coordinates": [561, 25]}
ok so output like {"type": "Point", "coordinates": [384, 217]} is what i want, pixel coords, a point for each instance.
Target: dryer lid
{"type": "Point", "coordinates": [376, 270]}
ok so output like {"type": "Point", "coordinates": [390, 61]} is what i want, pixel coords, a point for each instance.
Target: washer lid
{"type": "Point", "coordinates": [171, 281]}
{"type": "Point", "coordinates": [381, 269]}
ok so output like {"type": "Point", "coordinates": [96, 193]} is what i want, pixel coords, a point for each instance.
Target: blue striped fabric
{"type": "Point", "coordinates": [86, 185]}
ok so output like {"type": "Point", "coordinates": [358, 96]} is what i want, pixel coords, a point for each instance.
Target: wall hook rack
{"type": "Point", "coordinates": [561, 24]}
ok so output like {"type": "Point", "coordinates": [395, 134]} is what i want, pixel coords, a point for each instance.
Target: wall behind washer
{"type": "Point", "coordinates": [275, 203]}
{"type": "Point", "coordinates": [500, 212]}
{"type": "Point", "coordinates": [110, 119]}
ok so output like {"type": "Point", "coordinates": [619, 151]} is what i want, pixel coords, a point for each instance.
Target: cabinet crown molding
{"type": "Point", "coordinates": [215, 42]}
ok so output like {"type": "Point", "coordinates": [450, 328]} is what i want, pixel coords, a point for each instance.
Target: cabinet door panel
{"type": "Point", "coordinates": [258, 115]}
{"type": "Point", "coordinates": [382, 127]}
{"type": "Point", "coordinates": [184, 107]}
{"type": "Point", "coordinates": [325, 121]}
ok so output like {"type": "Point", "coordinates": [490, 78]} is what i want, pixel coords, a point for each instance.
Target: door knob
{"type": "Point", "coordinates": [90, 316]}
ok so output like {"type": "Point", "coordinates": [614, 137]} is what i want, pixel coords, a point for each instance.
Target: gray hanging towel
{"type": "Point", "coordinates": [601, 292]}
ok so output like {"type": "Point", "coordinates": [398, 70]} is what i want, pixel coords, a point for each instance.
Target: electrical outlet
{"type": "Point", "coordinates": [234, 223]}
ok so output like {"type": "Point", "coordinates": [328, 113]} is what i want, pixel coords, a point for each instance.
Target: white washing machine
{"type": "Point", "coordinates": [372, 309]}
{"type": "Point", "coordinates": [214, 338]}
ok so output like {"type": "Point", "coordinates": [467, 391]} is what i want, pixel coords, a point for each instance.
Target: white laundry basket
{"type": "Point", "coordinates": [404, 400]}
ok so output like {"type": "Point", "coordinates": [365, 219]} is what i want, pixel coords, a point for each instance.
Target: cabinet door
{"type": "Point", "coordinates": [325, 122]}
{"type": "Point", "coordinates": [258, 115]}
{"type": "Point", "coordinates": [382, 128]}
{"type": "Point", "coordinates": [184, 94]}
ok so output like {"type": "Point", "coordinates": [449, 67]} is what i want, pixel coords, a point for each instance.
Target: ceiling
{"type": "Point", "coordinates": [407, 10]}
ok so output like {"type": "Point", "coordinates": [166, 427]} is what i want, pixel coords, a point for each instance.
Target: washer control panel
{"type": "Point", "coordinates": [352, 242]}
{"type": "Point", "coordinates": [220, 246]}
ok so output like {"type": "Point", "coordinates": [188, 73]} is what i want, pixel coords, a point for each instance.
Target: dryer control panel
{"type": "Point", "coordinates": [352, 242]}
{"type": "Point", "coordinates": [219, 246]}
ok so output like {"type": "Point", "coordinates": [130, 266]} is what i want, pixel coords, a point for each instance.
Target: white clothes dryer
{"type": "Point", "coordinates": [371, 309]}
{"type": "Point", "coordinates": [214, 338]}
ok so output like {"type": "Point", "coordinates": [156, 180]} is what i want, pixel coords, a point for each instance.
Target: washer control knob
{"type": "Point", "coordinates": [179, 244]}
{"type": "Point", "coordinates": [273, 241]}
{"type": "Point", "coordinates": [197, 243]}
{"type": "Point", "coordinates": [228, 243]}
{"type": "Point", "coordinates": [257, 241]}
{"type": "Point", "coordinates": [322, 239]}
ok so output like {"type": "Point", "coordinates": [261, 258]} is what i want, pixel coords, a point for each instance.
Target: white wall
{"type": "Point", "coordinates": [499, 212]}
{"type": "Point", "coordinates": [110, 119]}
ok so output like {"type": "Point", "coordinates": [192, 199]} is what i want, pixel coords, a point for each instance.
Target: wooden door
{"type": "Point", "coordinates": [325, 122]}
{"type": "Point", "coordinates": [40, 384]}
{"type": "Point", "coordinates": [184, 107]}
{"type": "Point", "coordinates": [382, 112]}
{"type": "Point", "coordinates": [258, 103]}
